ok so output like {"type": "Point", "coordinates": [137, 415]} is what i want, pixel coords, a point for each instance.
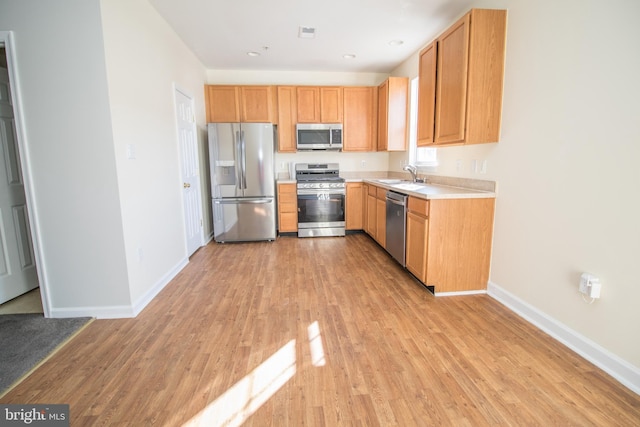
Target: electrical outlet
{"type": "Point", "coordinates": [590, 285]}
{"type": "Point", "coordinates": [458, 165]}
{"type": "Point", "coordinates": [363, 163]}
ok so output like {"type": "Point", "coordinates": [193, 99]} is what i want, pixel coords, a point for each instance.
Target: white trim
{"type": "Point", "coordinates": [458, 293]}
{"type": "Point", "coordinates": [122, 311]}
{"type": "Point", "coordinates": [624, 372]}
{"type": "Point", "coordinates": [6, 39]}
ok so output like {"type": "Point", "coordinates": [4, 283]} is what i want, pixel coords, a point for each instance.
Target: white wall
{"type": "Point", "coordinates": [566, 165]}
{"type": "Point", "coordinates": [69, 151]}
{"type": "Point", "coordinates": [145, 58]}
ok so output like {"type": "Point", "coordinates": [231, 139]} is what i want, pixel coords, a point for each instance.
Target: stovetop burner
{"type": "Point", "coordinates": [318, 172]}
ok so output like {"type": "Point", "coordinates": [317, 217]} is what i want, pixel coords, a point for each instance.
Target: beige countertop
{"type": "Point", "coordinates": [433, 191]}
{"type": "Point", "coordinates": [436, 187]}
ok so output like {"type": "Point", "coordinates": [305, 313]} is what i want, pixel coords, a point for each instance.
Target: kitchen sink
{"type": "Point", "coordinates": [409, 186]}
{"type": "Point", "coordinates": [391, 181]}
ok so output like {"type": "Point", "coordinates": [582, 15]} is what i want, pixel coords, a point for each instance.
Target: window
{"type": "Point", "coordinates": [418, 156]}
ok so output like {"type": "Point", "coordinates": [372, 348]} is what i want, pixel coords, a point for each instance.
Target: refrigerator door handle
{"type": "Point", "coordinates": [243, 146]}
{"type": "Point", "coordinates": [239, 172]}
{"type": "Point", "coordinates": [242, 201]}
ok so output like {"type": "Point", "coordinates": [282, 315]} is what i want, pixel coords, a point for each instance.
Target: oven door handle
{"type": "Point", "coordinates": [303, 192]}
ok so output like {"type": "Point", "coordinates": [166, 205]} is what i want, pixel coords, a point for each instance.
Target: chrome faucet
{"type": "Point", "coordinates": [414, 172]}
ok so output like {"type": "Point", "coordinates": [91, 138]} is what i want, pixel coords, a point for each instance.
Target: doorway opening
{"type": "Point", "coordinates": [18, 266]}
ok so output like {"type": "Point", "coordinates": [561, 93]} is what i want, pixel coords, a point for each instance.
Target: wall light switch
{"type": "Point", "coordinates": [131, 151]}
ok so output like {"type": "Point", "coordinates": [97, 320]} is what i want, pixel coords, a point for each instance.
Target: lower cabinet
{"type": "Point", "coordinates": [287, 208]}
{"type": "Point", "coordinates": [381, 217]}
{"type": "Point", "coordinates": [354, 212]}
{"type": "Point", "coordinates": [449, 242]}
{"type": "Point", "coordinates": [417, 234]}
{"type": "Point", "coordinates": [375, 218]}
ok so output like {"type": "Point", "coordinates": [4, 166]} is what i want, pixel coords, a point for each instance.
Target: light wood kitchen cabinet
{"type": "Point", "coordinates": [250, 104]}
{"type": "Point", "coordinates": [393, 114]}
{"type": "Point", "coordinates": [469, 80]}
{"type": "Point", "coordinates": [359, 118]}
{"type": "Point", "coordinates": [370, 222]}
{"type": "Point", "coordinates": [417, 233]}
{"type": "Point", "coordinates": [287, 208]}
{"type": "Point", "coordinates": [457, 234]}
{"type": "Point", "coordinates": [223, 104]}
{"type": "Point", "coordinates": [381, 216]}
{"type": "Point", "coordinates": [287, 119]}
{"type": "Point", "coordinates": [354, 206]}
{"type": "Point", "coordinates": [257, 104]}
{"type": "Point", "coordinates": [319, 104]}
{"type": "Point", "coordinates": [426, 95]}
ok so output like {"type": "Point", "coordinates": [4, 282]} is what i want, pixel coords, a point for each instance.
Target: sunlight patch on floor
{"type": "Point", "coordinates": [247, 395]}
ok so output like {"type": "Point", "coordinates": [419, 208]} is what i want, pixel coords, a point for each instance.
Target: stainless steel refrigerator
{"type": "Point", "coordinates": [241, 160]}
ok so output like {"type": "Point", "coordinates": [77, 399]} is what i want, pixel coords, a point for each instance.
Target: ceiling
{"type": "Point", "coordinates": [222, 32]}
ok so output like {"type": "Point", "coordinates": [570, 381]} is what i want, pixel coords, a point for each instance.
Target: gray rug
{"type": "Point", "coordinates": [27, 339]}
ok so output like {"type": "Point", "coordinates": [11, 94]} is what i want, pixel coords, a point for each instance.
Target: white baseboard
{"type": "Point", "coordinates": [458, 293]}
{"type": "Point", "coordinates": [143, 301]}
{"type": "Point", "coordinates": [624, 372]}
{"type": "Point", "coordinates": [121, 311]}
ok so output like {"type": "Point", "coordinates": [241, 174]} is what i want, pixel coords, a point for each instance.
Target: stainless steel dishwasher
{"type": "Point", "coordinates": [396, 225]}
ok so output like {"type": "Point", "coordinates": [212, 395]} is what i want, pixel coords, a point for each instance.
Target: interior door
{"type": "Point", "coordinates": [17, 262]}
{"type": "Point", "coordinates": [189, 161]}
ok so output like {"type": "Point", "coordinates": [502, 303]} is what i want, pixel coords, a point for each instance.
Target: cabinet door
{"type": "Point", "coordinates": [256, 104]}
{"type": "Point", "coordinates": [383, 105]}
{"type": "Point", "coordinates": [381, 222]}
{"type": "Point", "coordinates": [370, 226]}
{"type": "Point", "coordinates": [331, 105]}
{"type": "Point", "coordinates": [417, 237]}
{"type": "Point", "coordinates": [359, 125]}
{"type": "Point", "coordinates": [427, 95]}
{"type": "Point", "coordinates": [451, 92]}
{"type": "Point", "coordinates": [397, 113]}
{"type": "Point", "coordinates": [308, 104]}
{"type": "Point", "coordinates": [354, 208]}
{"type": "Point", "coordinates": [223, 104]}
{"type": "Point", "coordinates": [287, 208]}
{"type": "Point", "coordinates": [287, 119]}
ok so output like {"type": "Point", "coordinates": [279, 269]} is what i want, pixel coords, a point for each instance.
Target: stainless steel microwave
{"type": "Point", "coordinates": [318, 136]}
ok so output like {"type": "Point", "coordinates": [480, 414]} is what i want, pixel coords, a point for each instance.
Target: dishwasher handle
{"type": "Point", "coordinates": [396, 198]}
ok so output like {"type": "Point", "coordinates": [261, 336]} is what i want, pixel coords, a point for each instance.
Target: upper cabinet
{"type": "Point", "coordinates": [359, 118]}
{"type": "Point", "coordinates": [287, 119]}
{"type": "Point", "coordinates": [426, 95]}
{"type": "Point", "coordinates": [393, 113]}
{"type": "Point", "coordinates": [319, 104]}
{"type": "Point", "coordinates": [251, 104]}
{"type": "Point", "coordinates": [469, 74]}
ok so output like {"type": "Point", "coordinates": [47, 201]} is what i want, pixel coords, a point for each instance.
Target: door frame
{"type": "Point", "coordinates": [6, 40]}
{"type": "Point", "coordinates": [176, 89]}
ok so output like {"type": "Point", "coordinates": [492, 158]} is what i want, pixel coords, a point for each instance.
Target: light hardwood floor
{"type": "Point", "coordinates": [325, 332]}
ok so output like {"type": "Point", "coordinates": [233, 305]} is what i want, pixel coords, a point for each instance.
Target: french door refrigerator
{"type": "Point", "coordinates": [241, 160]}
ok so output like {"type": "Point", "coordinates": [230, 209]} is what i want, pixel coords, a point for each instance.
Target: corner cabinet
{"type": "Point", "coordinates": [359, 118]}
{"type": "Point", "coordinates": [469, 74]}
{"type": "Point", "coordinates": [449, 242]}
{"type": "Point", "coordinates": [393, 114]}
{"type": "Point", "coordinates": [287, 208]}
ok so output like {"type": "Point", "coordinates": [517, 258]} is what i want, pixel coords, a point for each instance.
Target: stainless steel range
{"type": "Point", "coordinates": [321, 197]}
